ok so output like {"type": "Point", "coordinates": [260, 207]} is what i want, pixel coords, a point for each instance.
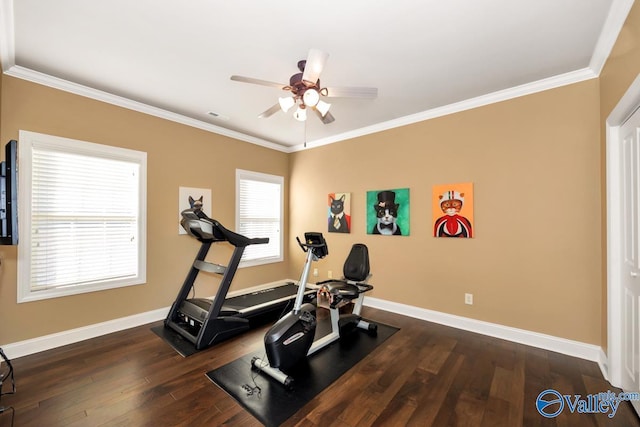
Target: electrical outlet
{"type": "Point", "coordinates": [330, 274]}
{"type": "Point", "coordinates": [468, 299]}
{"type": "Point", "coordinates": [315, 272]}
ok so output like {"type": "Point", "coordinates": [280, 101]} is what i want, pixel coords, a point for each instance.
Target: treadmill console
{"type": "Point", "coordinates": [198, 225]}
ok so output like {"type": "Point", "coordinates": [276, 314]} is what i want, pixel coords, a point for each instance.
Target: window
{"type": "Point", "coordinates": [259, 205]}
{"type": "Point", "coordinates": [82, 217]}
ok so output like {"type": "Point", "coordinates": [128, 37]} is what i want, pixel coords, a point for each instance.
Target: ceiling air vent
{"type": "Point", "coordinates": [217, 115]}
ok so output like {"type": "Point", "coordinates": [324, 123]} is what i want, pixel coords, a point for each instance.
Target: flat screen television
{"type": "Point", "coordinates": [9, 195]}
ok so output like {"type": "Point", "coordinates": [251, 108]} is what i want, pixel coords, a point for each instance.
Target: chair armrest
{"type": "Point", "coordinates": [364, 287]}
{"type": "Point", "coordinates": [323, 282]}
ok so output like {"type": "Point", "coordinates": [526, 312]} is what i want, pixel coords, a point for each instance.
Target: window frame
{"type": "Point", "coordinates": [242, 174]}
{"type": "Point", "coordinates": [27, 141]}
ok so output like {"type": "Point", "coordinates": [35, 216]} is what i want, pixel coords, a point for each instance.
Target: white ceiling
{"type": "Point", "coordinates": [427, 58]}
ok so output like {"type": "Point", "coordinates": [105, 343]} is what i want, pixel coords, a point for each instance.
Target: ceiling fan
{"type": "Point", "coordinates": [306, 91]}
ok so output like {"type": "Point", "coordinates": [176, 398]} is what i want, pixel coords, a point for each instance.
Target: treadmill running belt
{"type": "Point", "coordinates": [241, 302]}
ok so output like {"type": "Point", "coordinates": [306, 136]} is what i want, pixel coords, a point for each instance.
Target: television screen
{"type": "Point", "coordinates": [9, 195]}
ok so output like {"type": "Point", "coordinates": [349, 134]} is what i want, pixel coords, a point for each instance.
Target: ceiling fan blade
{"type": "Point", "coordinates": [314, 66]}
{"type": "Point", "coordinates": [328, 118]}
{"type": "Point", "coordinates": [270, 112]}
{"type": "Point", "coordinates": [352, 92]}
{"type": "Point", "coordinates": [257, 81]}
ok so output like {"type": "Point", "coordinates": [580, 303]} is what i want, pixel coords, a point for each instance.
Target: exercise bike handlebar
{"type": "Point", "coordinates": [316, 242]}
{"type": "Point", "coordinates": [305, 246]}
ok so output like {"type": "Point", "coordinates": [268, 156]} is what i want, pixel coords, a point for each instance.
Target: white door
{"type": "Point", "coordinates": [630, 150]}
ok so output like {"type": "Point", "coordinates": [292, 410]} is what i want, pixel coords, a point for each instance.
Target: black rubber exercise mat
{"type": "Point", "coordinates": [273, 403]}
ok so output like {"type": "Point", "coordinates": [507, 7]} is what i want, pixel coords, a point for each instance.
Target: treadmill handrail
{"type": "Point", "coordinates": [239, 240]}
{"type": "Point", "coordinates": [200, 226]}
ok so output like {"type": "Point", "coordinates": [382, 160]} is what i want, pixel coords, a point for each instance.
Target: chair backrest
{"type": "Point", "coordinates": [356, 266]}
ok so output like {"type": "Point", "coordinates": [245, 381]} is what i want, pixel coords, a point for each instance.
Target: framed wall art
{"type": "Point", "coordinates": [339, 213]}
{"type": "Point", "coordinates": [388, 212]}
{"type": "Point", "coordinates": [452, 206]}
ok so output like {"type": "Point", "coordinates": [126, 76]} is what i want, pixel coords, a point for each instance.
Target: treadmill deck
{"type": "Point", "coordinates": [245, 305]}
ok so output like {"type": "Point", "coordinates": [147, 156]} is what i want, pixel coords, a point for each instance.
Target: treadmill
{"type": "Point", "coordinates": [204, 321]}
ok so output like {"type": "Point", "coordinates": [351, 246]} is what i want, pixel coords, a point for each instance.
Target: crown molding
{"type": "Point", "coordinates": [611, 29]}
{"type": "Point", "coordinates": [491, 98]}
{"type": "Point", "coordinates": [88, 92]}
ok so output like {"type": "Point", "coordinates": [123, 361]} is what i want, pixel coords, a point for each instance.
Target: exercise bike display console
{"type": "Point", "coordinates": [203, 321]}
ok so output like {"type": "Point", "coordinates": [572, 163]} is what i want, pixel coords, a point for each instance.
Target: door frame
{"type": "Point", "coordinates": [622, 111]}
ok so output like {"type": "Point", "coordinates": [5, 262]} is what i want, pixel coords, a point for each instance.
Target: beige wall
{"type": "Point", "coordinates": [621, 69]}
{"type": "Point", "coordinates": [535, 261]}
{"type": "Point", "coordinates": [178, 155]}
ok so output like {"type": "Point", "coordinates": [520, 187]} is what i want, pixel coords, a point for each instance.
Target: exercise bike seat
{"type": "Point", "coordinates": [356, 272]}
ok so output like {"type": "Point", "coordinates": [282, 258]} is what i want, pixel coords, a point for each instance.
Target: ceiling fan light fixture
{"type": "Point", "coordinates": [286, 103]}
{"type": "Point", "coordinates": [300, 114]}
{"type": "Point", "coordinates": [323, 107]}
{"type": "Point", "coordinates": [310, 97]}
{"type": "Point", "coordinates": [305, 90]}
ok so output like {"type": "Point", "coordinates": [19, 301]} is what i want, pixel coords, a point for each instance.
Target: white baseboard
{"type": "Point", "coordinates": [47, 342]}
{"type": "Point", "coordinates": [535, 339]}
{"type": "Point", "coordinates": [603, 362]}
{"type": "Point", "coordinates": [561, 345]}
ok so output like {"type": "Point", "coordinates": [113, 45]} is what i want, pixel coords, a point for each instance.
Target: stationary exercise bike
{"type": "Point", "coordinates": [291, 338]}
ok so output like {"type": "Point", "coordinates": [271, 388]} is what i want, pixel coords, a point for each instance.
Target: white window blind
{"type": "Point", "coordinates": [86, 222]}
{"type": "Point", "coordinates": [259, 205]}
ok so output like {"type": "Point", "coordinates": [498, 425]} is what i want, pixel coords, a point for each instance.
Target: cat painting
{"type": "Point", "coordinates": [452, 223]}
{"type": "Point", "coordinates": [387, 215]}
{"type": "Point", "coordinates": [196, 206]}
{"type": "Point", "coordinates": [339, 221]}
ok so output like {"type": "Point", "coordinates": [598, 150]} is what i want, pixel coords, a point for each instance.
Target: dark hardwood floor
{"type": "Point", "coordinates": [424, 375]}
